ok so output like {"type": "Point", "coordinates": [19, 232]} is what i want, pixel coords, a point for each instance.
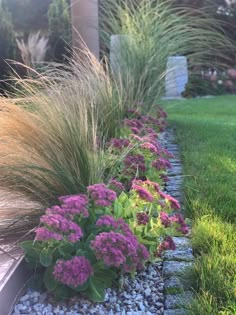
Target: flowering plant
{"type": "Point", "coordinates": [148, 211]}
{"type": "Point", "coordinates": [80, 250]}
{"type": "Point", "coordinates": [142, 154]}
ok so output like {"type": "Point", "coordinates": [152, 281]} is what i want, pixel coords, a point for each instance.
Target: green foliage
{"type": "Point", "coordinates": [206, 132]}
{"type": "Point", "coordinates": [128, 206]}
{"type": "Point", "coordinates": [59, 27]}
{"type": "Point", "coordinates": [46, 254]}
{"type": "Point", "coordinates": [28, 15]}
{"type": "Point", "coordinates": [7, 40]}
{"type": "Point", "coordinates": [198, 86]}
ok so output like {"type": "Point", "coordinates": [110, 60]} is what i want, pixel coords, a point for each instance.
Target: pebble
{"type": "Point", "coordinates": [141, 296]}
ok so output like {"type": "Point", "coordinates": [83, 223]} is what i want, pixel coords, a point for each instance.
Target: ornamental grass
{"type": "Point", "coordinates": [52, 138]}
{"type": "Point", "coordinates": [152, 31]}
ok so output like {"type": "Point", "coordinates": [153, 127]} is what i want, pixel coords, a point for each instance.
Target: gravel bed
{"type": "Point", "coordinates": [142, 295]}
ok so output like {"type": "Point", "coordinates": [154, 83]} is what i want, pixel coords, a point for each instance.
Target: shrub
{"type": "Point", "coordinates": [59, 28]}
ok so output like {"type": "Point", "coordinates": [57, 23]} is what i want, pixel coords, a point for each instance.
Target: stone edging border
{"type": "Point", "coordinates": [177, 262]}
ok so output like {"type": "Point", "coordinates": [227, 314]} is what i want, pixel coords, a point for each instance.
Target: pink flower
{"type": "Point", "coordinates": [173, 202]}
{"type": "Point", "coordinates": [74, 272]}
{"type": "Point", "coordinates": [167, 244]}
{"type": "Point", "coordinates": [119, 143]}
{"type": "Point", "coordinates": [142, 218]}
{"type": "Point", "coordinates": [62, 225]}
{"type": "Point", "coordinates": [43, 234]}
{"type": "Point", "coordinates": [165, 219]}
{"type": "Point", "coordinates": [142, 192]}
{"type": "Point", "coordinates": [101, 195]}
{"type": "Point", "coordinates": [116, 185]}
{"type": "Point", "coordinates": [152, 148]}
{"type": "Point", "coordinates": [179, 219]}
{"type": "Point", "coordinates": [135, 162]}
{"type": "Point", "coordinates": [134, 123]}
{"type": "Point", "coordinates": [161, 164]}
{"type": "Point", "coordinates": [107, 220]}
{"type": "Point", "coordinates": [71, 205]}
{"type": "Point", "coordinates": [120, 249]}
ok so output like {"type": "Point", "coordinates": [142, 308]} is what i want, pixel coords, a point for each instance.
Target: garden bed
{"type": "Point", "coordinates": [147, 293]}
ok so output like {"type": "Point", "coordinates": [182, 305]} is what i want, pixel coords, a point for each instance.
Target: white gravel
{"type": "Point", "coordinates": [142, 295]}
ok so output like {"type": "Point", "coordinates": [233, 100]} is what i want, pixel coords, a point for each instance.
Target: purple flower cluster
{"type": "Point", "coordinates": [61, 226]}
{"type": "Point", "coordinates": [71, 205]}
{"type": "Point", "coordinates": [101, 195]}
{"type": "Point", "coordinates": [119, 250]}
{"type": "Point", "coordinates": [161, 164]}
{"type": "Point", "coordinates": [167, 244]}
{"type": "Point", "coordinates": [118, 225]}
{"type": "Point", "coordinates": [174, 204]}
{"type": "Point", "coordinates": [74, 272]}
{"type": "Point", "coordinates": [134, 112]}
{"type": "Point", "coordinates": [149, 120]}
{"type": "Point", "coordinates": [165, 219]}
{"type": "Point", "coordinates": [134, 163]}
{"type": "Point", "coordinates": [142, 192]}
{"type": "Point", "coordinates": [142, 218]}
{"type": "Point", "coordinates": [119, 143]}
{"type": "Point", "coordinates": [178, 219]}
{"type": "Point", "coordinates": [151, 147]}
{"type": "Point", "coordinates": [134, 123]}
{"type": "Point", "coordinates": [43, 234]}
{"type": "Point", "coordinates": [161, 113]}
{"type": "Point", "coordinates": [115, 185]}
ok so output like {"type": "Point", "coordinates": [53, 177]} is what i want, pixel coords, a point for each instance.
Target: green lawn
{"type": "Point", "coordinates": [206, 133]}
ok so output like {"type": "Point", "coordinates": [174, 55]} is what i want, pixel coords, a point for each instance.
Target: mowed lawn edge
{"type": "Point", "coordinates": [206, 132]}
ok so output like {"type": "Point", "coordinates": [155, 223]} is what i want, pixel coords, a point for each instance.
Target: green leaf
{"type": "Point", "coordinates": [46, 257]}
{"type": "Point", "coordinates": [122, 198]}
{"type": "Point", "coordinates": [89, 239]}
{"type": "Point", "coordinates": [62, 292]}
{"type": "Point", "coordinates": [96, 290]}
{"type": "Point", "coordinates": [105, 276]}
{"type": "Point", "coordinates": [118, 209]}
{"type": "Point", "coordinates": [32, 248]}
{"type": "Point", "coordinates": [83, 287]}
{"type": "Point", "coordinates": [49, 280]}
{"type": "Point", "coordinates": [66, 250]}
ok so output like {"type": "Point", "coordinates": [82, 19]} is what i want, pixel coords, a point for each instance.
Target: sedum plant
{"type": "Point", "coordinates": [148, 212]}
{"type": "Point", "coordinates": [81, 251]}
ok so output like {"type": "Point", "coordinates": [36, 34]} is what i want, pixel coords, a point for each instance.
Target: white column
{"type": "Point", "coordinates": [176, 76]}
{"type": "Point", "coordinates": [84, 17]}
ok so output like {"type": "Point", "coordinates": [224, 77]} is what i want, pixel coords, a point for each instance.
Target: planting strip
{"type": "Point", "coordinates": [156, 290]}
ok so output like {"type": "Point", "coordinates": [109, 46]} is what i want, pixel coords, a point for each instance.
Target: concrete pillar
{"type": "Point", "coordinates": [176, 76]}
{"type": "Point", "coordinates": [84, 17]}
